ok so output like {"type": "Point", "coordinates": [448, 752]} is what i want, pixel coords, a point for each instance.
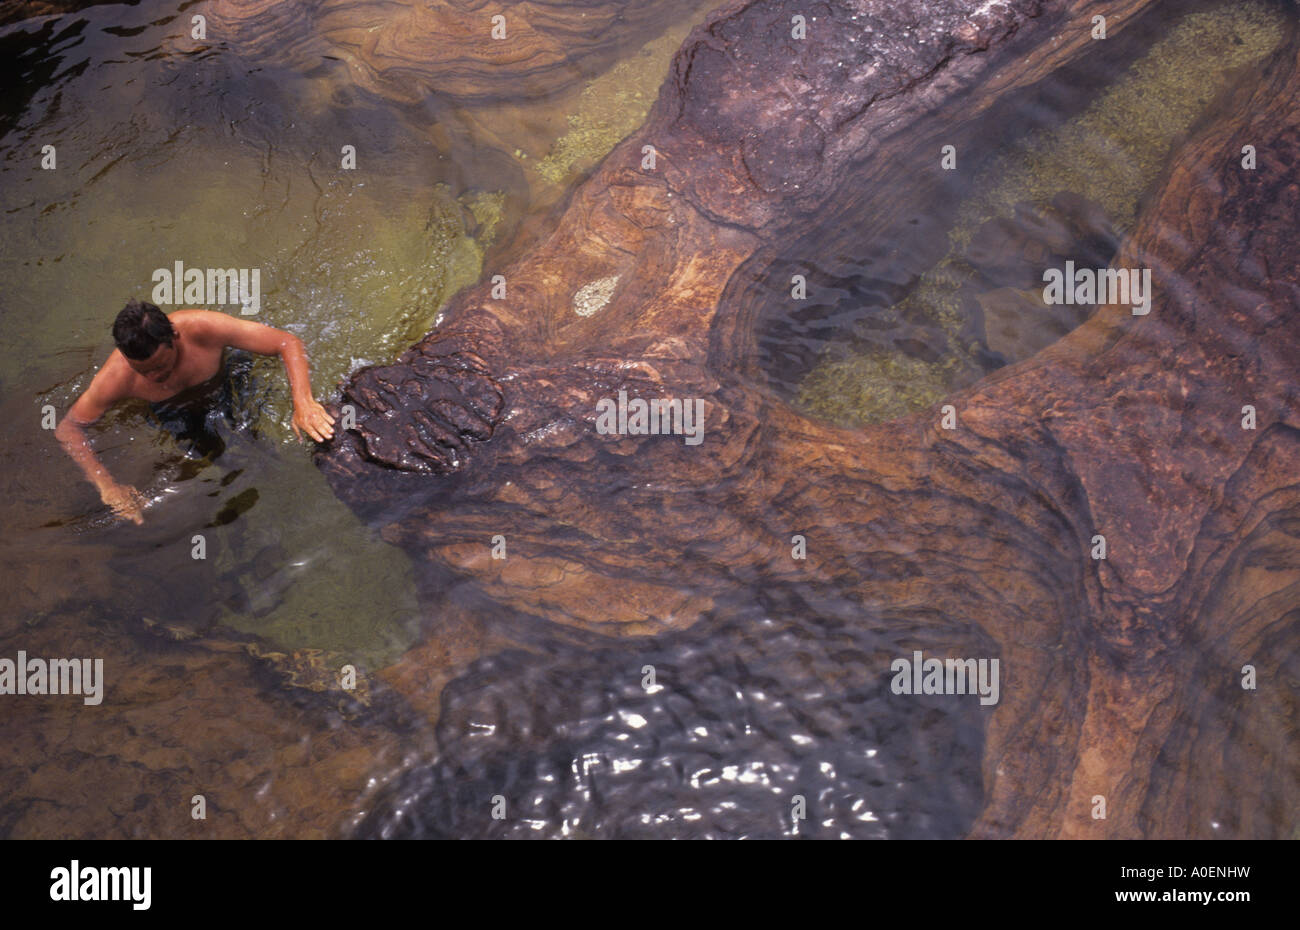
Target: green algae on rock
{"type": "Point", "coordinates": [390, 267]}
{"type": "Point", "coordinates": [611, 107]}
{"type": "Point", "coordinates": [872, 388]}
{"type": "Point", "coordinates": [1114, 151]}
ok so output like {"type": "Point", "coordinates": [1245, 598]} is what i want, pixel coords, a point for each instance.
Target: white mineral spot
{"type": "Point", "coordinates": [594, 295]}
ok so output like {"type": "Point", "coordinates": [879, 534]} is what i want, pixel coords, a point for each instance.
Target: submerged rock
{"type": "Point", "coordinates": [741, 720]}
{"type": "Point", "coordinates": [981, 527]}
{"type": "Point", "coordinates": [406, 50]}
{"type": "Point", "coordinates": [1017, 323]}
{"type": "Point", "coordinates": [1010, 254]}
{"type": "Point", "coordinates": [1013, 251]}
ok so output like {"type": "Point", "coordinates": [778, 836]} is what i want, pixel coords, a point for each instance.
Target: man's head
{"type": "Point", "coordinates": [147, 339]}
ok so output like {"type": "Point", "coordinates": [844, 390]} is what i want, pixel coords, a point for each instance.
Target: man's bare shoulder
{"type": "Point", "coordinates": [213, 329]}
{"type": "Point", "coordinates": [203, 325]}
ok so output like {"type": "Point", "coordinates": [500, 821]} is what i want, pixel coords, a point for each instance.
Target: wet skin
{"type": "Point", "coordinates": [193, 357]}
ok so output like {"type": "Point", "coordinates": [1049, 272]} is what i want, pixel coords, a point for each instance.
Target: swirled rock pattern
{"type": "Point", "coordinates": [1130, 427]}
{"type": "Point", "coordinates": [467, 50]}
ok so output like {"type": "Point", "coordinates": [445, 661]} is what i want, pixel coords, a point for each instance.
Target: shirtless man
{"type": "Point", "coordinates": [157, 357]}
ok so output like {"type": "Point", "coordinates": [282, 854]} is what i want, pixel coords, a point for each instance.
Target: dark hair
{"type": "Point", "coordinates": [140, 329]}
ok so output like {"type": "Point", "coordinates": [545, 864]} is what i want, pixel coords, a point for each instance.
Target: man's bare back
{"type": "Point", "coordinates": [191, 354]}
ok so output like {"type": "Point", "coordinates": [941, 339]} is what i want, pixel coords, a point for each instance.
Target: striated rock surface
{"type": "Point", "coordinates": [1129, 427]}
{"type": "Point", "coordinates": [407, 50]}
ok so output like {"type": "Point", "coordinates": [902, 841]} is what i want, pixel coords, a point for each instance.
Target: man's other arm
{"type": "Point", "coordinates": [308, 415]}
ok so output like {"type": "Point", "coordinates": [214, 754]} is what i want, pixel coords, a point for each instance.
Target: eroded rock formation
{"type": "Point", "coordinates": [1129, 427]}
{"type": "Point", "coordinates": [471, 50]}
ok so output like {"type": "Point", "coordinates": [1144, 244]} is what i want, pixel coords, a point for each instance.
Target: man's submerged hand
{"type": "Point", "coordinates": [313, 418]}
{"type": "Point", "coordinates": [125, 500]}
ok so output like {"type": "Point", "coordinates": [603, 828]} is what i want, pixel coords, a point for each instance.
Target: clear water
{"type": "Point", "coordinates": [221, 670]}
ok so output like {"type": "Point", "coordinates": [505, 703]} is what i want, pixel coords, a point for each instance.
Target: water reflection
{"type": "Point", "coordinates": [714, 733]}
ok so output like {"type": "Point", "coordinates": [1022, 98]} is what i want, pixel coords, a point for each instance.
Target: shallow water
{"type": "Point", "coordinates": [214, 161]}
{"type": "Point", "coordinates": [164, 155]}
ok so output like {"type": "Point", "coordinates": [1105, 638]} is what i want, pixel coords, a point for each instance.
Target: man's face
{"type": "Point", "coordinates": [159, 366]}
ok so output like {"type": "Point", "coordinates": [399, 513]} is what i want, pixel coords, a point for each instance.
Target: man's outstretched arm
{"type": "Point", "coordinates": [308, 415]}
{"type": "Point", "coordinates": [125, 500]}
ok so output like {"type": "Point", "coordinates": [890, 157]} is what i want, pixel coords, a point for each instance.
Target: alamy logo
{"type": "Point", "coordinates": [209, 286]}
{"type": "Point", "coordinates": [946, 676]}
{"type": "Point", "coordinates": [1083, 286]}
{"type": "Point", "coordinates": [658, 417]}
{"type": "Point", "coordinates": [77, 883]}
{"type": "Point", "coordinates": [55, 676]}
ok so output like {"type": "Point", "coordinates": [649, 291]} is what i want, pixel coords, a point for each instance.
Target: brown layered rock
{"type": "Point", "coordinates": [408, 50]}
{"type": "Point", "coordinates": [1130, 427]}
